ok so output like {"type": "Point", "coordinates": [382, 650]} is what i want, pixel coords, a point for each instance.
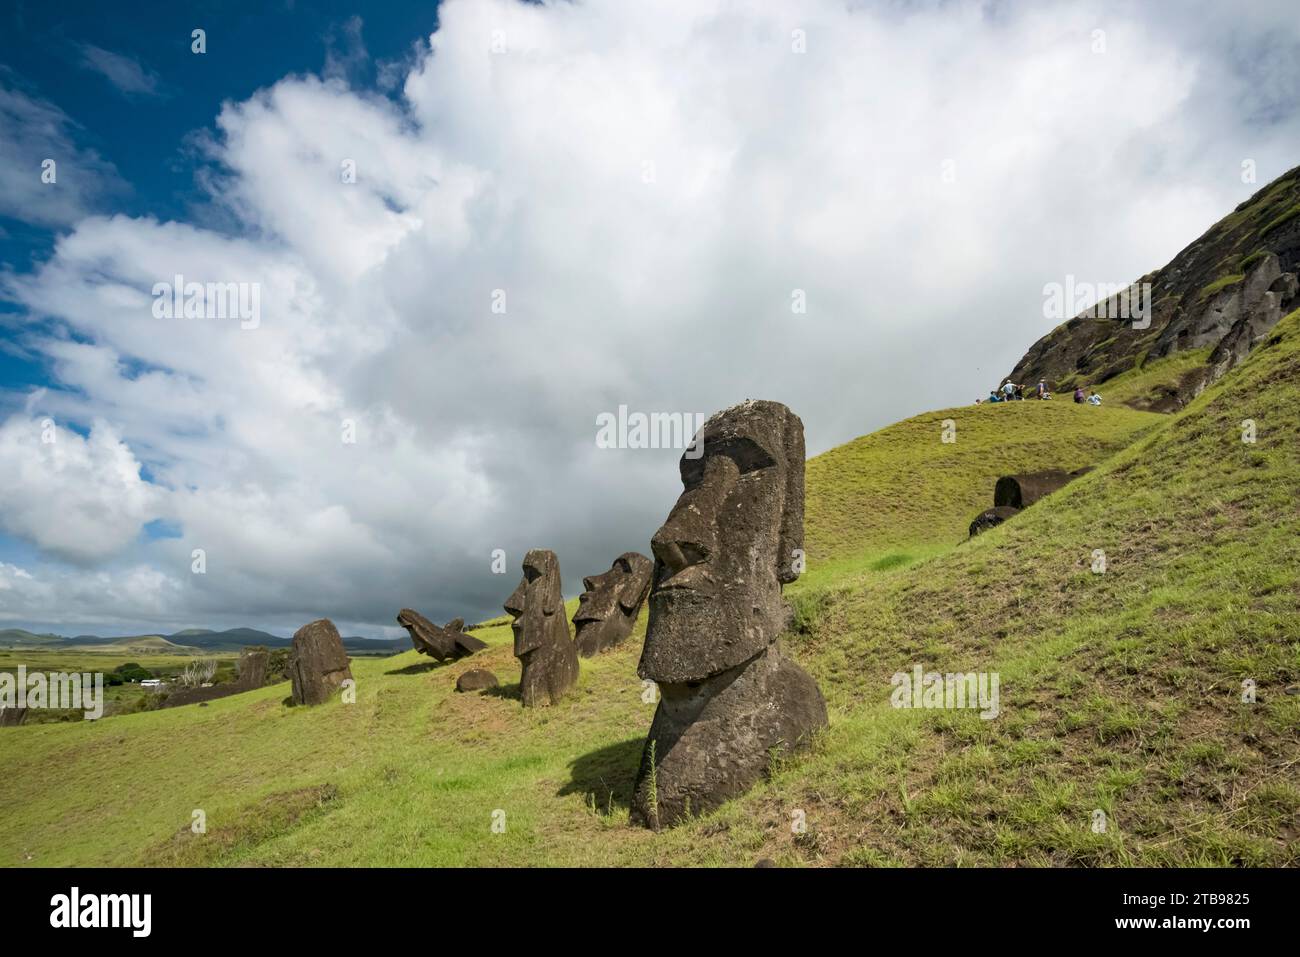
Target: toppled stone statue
{"type": "Point", "coordinates": [728, 697]}
{"type": "Point", "coordinates": [991, 517]}
{"type": "Point", "coordinates": [1022, 491]}
{"type": "Point", "coordinates": [445, 644]}
{"type": "Point", "coordinates": [12, 717]}
{"type": "Point", "coordinates": [542, 642]}
{"type": "Point", "coordinates": [608, 608]}
{"type": "Point", "coordinates": [318, 663]}
{"type": "Point", "coordinates": [476, 679]}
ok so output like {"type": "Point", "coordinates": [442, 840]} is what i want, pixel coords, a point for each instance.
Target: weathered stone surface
{"type": "Point", "coordinates": [476, 679]}
{"type": "Point", "coordinates": [542, 643]}
{"type": "Point", "coordinates": [253, 662]}
{"type": "Point", "coordinates": [1021, 491]}
{"type": "Point", "coordinates": [1227, 290]}
{"type": "Point", "coordinates": [12, 717]}
{"type": "Point", "coordinates": [990, 517]}
{"type": "Point", "coordinates": [608, 608]}
{"type": "Point", "coordinates": [449, 643]}
{"type": "Point", "coordinates": [319, 662]}
{"type": "Point", "coordinates": [728, 698]}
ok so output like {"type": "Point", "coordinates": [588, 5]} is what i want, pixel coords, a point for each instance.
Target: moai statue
{"type": "Point", "coordinates": [253, 662]}
{"type": "Point", "coordinates": [728, 697]}
{"type": "Point", "coordinates": [445, 644]}
{"type": "Point", "coordinates": [318, 663]}
{"type": "Point", "coordinates": [608, 608]}
{"type": "Point", "coordinates": [542, 642]}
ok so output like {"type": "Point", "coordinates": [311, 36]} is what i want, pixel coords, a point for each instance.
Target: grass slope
{"type": "Point", "coordinates": [1120, 691]}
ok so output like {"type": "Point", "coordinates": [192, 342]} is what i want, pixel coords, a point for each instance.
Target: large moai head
{"type": "Point", "coordinates": [608, 608]}
{"type": "Point", "coordinates": [728, 697]}
{"type": "Point", "coordinates": [542, 643]}
{"type": "Point", "coordinates": [318, 662]}
{"type": "Point", "coordinates": [728, 545]}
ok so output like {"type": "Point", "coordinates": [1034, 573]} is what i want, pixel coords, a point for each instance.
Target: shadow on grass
{"type": "Point", "coordinates": [606, 777]}
{"type": "Point", "coordinates": [419, 668]}
{"type": "Point", "coordinates": [509, 692]}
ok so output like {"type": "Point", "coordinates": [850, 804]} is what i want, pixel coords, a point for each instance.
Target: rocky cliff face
{"type": "Point", "coordinates": [1223, 293]}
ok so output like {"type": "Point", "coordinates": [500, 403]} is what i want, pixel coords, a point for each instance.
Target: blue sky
{"type": "Point", "coordinates": [648, 186]}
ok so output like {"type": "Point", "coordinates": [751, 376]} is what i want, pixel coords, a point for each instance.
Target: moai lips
{"type": "Point", "coordinates": [608, 608]}
{"type": "Point", "coordinates": [542, 643]}
{"type": "Point", "coordinates": [728, 697]}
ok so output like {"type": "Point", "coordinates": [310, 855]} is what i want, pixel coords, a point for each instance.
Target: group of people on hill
{"type": "Point", "coordinates": [1015, 392]}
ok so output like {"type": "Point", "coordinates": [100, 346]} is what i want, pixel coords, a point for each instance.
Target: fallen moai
{"type": "Point", "coordinates": [318, 664]}
{"type": "Point", "coordinates": [449, 643]}
{"type": "Point", "coordinates": [608, 608]}
{"type": "Point", "coordinates": [728, 697]}
{"type": "Point", "coordinates": [547, 654]}
{"type": "Point", "coordinates": [1021, 491]}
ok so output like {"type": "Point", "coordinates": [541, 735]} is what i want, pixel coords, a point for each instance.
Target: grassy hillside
{"type": "Point", "coordinates": [901, 493]}
{"type": "Point", "coordinates": [1120, 691]}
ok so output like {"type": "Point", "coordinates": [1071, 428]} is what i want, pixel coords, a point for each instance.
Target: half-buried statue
{"type": "Point", "coordinates": [542, 642]}
{"type": "Point", "coordinates": [728, 698]}
{"type": "Point", "coordinates": [608, 608]}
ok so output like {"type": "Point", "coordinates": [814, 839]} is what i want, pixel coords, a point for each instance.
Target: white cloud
{"type": "Point", "coordinates": [525, 171]}
{"type": "Point", "coordinates": [124, 72]}
{"type": "Point", "coordinates": [34, 132]}
{"type": "Point", "coordinates": [80, 499]}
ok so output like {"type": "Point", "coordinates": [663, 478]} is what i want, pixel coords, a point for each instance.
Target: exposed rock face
{"type": "Point", "coordinates": [991, 517]}
{"type": "Point", "coordinates": [12, 717]}
{"type": "Point", "coordinates": [445, 644]}
{"type": "Point", "coordinates": [1225, 292]}
{"type": "Point", "coordinates": [542, 643]}
{"type": "Point", "coordinates": [319, 663]}
{"type": "Point", "coordinates": [608, 608]}
{"type": "Point", "coordinates": [476, 679]}
{"type": "Point", "coordinates": [727, 695]}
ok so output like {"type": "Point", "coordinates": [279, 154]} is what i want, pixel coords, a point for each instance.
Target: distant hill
{"type": "Point", "coordinates": [189, 641]}
{"type": "Point", "coordinates": [1210, 306]}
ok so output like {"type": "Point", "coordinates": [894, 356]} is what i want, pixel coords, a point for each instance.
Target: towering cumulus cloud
{"type": "Point", "coordinates": [558, 210]}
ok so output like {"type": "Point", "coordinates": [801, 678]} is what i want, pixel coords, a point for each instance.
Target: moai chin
{"type": "Point", "coordinates": [728, 696]}
{"type": "Point", "coordinates": [542, 643]}
{"type": "Point", "coordinates": [608, 608]}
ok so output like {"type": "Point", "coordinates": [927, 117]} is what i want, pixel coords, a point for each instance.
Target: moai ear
{"type": "Point", "coordinates": [791, 539]}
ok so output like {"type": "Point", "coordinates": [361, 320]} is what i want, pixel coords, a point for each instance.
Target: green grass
{"type": "Point", "coordinates": [1281, 220]}
{"type": "Point", "coordinates": [1120, 692]}
{"type": "Point", "coordinates": [1150, 378]}
{"type": "Point", "coordinates": [1223, 282]}
{"type": "Point", "coordinates": [903, 490]}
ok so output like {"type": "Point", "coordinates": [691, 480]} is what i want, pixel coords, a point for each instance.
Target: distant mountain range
{"type": "Point", "coordinates": [191, 641]}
